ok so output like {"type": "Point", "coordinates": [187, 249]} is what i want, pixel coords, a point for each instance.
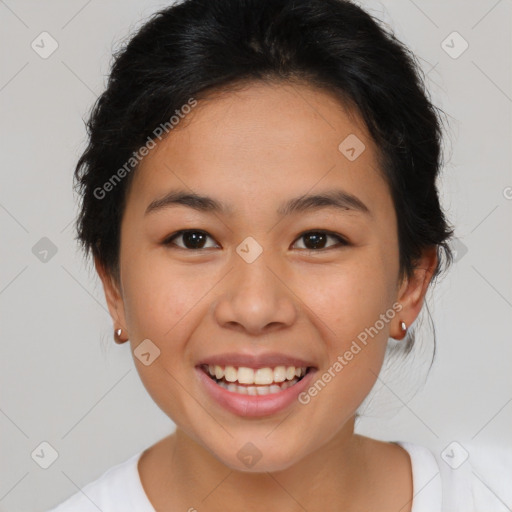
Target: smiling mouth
{"type": "Point", "coordinates": [255, 381]}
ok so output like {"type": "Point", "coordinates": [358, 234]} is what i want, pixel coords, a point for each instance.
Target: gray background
{"type": "Point", "coordinates": [65, 382]}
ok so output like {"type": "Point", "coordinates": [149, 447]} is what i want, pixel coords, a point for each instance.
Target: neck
{"type": "Point", "coordinates": [191, 477]}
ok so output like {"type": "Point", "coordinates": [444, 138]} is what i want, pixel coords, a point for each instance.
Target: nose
{"type": "Point", "coordinates": [255, 299]}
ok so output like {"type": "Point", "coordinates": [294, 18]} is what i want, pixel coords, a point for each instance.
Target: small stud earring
{"type": "Point", "coordinates": [403, 326]}
{"type": "Point", "coordinates": [117, 336]}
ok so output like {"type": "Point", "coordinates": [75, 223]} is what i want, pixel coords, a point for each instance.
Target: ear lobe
{"type": "Point", "coordinates": [112, 295]}
{"type": "Point", "coordinates": [413, 290]}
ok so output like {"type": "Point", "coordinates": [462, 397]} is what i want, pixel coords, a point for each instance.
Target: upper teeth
{"type": "Point", "coordinates": [262, 376]}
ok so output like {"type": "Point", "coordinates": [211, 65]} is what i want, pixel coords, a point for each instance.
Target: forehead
{"type": "Point", "coordinates": [262, 141]}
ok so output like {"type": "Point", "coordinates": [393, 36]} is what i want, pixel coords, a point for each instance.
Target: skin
{"type": "Point", "coordinates": [252, 149]}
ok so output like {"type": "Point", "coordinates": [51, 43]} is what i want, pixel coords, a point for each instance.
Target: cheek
{"type": "Point", "coordinates": [156, 301]}
{"type": "Point", "coordinates": [157, 297]}
{"type": "Point", "coordinates": [348, 301]}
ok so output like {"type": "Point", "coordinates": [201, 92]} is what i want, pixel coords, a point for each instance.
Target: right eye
{"type": "Point", "coordinates": [192, 239]}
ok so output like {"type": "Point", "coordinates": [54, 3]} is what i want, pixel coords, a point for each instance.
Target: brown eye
{"type": "Point", "coordinates": [315, 240]}
{"type": "Point", "coordinates": [191, 239]}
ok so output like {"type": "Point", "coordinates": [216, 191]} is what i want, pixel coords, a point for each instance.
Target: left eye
{"type": "Point", "coordinates": [317, 239]}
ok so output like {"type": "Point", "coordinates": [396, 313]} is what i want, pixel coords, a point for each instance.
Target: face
{"type": "Point", "coordinates": [275, 294]}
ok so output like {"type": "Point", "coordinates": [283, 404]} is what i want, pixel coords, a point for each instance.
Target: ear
{"type": "Point", "coordinates": [412, 292]}
{"type": "Point", "coordinates": [113, 296]}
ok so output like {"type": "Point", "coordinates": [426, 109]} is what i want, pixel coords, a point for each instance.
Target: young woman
{"type": "Point", "coordinates": [259, 197]}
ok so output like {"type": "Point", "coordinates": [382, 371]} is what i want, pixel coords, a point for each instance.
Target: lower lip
{"type": "Point", "coordinates": [254, 406]}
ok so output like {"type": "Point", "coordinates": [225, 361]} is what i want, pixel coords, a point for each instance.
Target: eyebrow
{"type": "Point", "coordinates": [338, 199]}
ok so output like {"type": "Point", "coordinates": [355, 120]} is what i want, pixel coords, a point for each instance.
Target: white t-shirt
{"type": "Point", "coordinates": [481, 483]}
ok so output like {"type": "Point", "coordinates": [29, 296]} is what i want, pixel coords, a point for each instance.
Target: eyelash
{"type": "Point", "coordinates": [169, 241]}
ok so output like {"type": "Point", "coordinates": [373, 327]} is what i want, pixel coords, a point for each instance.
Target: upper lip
{"type": "Point", "coordinates": [270, 359]}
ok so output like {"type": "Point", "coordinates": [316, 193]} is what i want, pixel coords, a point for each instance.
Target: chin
{"type": "Point", "coordinates": [250, 459]}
